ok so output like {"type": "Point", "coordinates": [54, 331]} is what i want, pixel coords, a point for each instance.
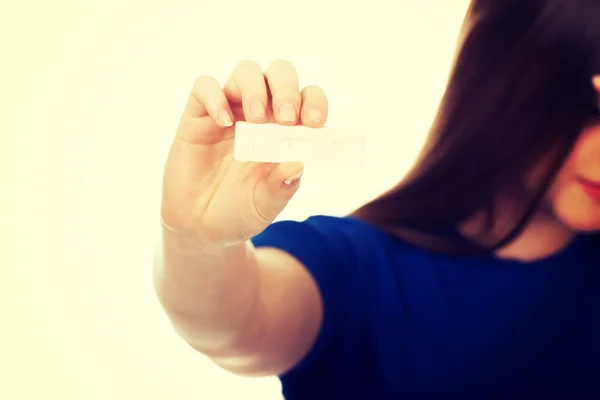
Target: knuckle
{"type": "Point", "coordinates": [282, 80]}
{"type": "Point", "coordinates": [314, 96]}
{"type": "Point", "coordinates": [248, 78]}
{"type": "Point", "coordinates": [284, 95]}
{"type": "Point", "coordinates": [247, 65]}
{"type": "Point", "coordinates": [282, 64]}
{"type": "Point", "coordinates": [313, 90]}
{"type": "Point", "coordinates": [203, 81]}
{"type": "Point", "coordinates": [282, 70]}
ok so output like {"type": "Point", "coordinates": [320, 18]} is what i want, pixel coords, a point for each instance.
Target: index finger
{"type": "Point", "coordinates": [207, 98]}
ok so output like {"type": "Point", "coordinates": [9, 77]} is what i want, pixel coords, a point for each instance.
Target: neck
{"type": "Point", "coordinates": [543, 237]}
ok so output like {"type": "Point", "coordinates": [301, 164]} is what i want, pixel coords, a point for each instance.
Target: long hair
{"type": "Point", "coordinates": [520, 89]}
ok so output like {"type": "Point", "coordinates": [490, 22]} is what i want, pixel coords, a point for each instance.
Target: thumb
{"type": "Point", "coordinates": [273, 193]}
{"type": "Point", "coordinates": [287, 173]}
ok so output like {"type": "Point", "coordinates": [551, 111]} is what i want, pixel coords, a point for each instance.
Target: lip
{"type": "Point", "coordinates": [592, 188]}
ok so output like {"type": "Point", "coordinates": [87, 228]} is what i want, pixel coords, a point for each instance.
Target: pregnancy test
{"type": "Point", "coordinates": [274, 143]}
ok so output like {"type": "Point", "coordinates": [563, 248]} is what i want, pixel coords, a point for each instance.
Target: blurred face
{"type": "Point", "coordinates": [575, 194]}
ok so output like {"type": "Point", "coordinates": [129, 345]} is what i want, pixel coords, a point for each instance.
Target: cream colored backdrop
{"type": "Point", "coordinates": [90, 95]}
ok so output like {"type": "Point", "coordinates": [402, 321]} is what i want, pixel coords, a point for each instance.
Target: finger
{"type": "Point", "coordinates": [239, 114]}
{"type": "Point", "coordinates": [246, 86]}
{"type": "Point", "coordinates": [207, 98]}
{"type": "Point", "coordinates": [203, 131]}
{"type": "Point", "coordinates": [282, 80]}
{"type": "Point", "coordinates": [273, 193]}
{"type": "Point", "coordinates": [315, 106]}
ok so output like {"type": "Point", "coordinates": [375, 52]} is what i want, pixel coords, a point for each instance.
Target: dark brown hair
{"type": "Point", "coordinates": [520, 89]}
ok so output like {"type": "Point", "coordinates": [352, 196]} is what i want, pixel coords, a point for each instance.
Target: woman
{"type": "Point", "coordinates": [478, 276]}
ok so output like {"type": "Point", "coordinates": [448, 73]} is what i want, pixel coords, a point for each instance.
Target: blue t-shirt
{"type": "Point", "coordinates": [404, 323]}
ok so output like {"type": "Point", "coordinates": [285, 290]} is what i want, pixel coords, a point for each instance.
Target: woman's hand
{"type": "Point", "coordinates": [207, 195]}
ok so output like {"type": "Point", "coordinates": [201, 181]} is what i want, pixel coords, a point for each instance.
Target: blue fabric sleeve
{"type": "Point", "coordinates": [321, 246]}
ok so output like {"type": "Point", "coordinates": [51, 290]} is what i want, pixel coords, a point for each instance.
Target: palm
{"type": "Point", "coordinates": [206, 183]}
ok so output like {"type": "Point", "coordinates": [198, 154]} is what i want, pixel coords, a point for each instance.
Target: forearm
{"type": "Point", "coordinates": [209, 294]}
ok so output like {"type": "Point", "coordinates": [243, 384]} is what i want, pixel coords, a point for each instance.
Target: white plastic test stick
{"type": "Point", "coordinates": [274, 143]}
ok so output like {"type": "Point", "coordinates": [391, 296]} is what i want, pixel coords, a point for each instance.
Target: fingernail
{"type": "Point", "coordinates": [314, 115]}
{"type": "Point", "coordinates": [288, 112]}
{"type": "Point", "coordinates": [257, 109]}
{"type": "Point", "coordinates": [225, 118]}
{"type": "Point", "coordinates": [293, 179]}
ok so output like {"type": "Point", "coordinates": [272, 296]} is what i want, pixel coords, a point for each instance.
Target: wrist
{"type": "Point", "coordinates": [190, 243]}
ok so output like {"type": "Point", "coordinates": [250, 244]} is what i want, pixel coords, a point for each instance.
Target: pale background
{"type": "Point", "coordinates": [90, 95]}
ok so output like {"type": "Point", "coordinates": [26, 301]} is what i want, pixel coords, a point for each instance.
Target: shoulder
{"type": "Point", "coordinates": [326, 225]}
{"type": "Point", "coordinates": [325, 236]}
{"type": "Point", "coordinates": [343, 248]}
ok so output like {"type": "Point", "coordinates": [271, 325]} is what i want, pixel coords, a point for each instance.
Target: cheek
{"type": "Point", "coordinates": [586, 155]}
{"type": "Point", "coordinates": [571, 204]}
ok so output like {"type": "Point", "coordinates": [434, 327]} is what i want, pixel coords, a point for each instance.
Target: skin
{"type": "Point", "coordinates": [568, 210]}
{"type": "Point", "coordinates": [253, 312]}
{"type": "Point", "coordinates": [571, 204]}
{"type": "Point", "coordinates": [257, 312]}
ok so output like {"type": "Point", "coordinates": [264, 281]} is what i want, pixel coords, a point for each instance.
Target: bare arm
{"type": "Point", "coordinates": [254, 312]}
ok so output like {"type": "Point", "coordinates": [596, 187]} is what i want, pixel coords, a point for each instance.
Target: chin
{"type": "Point", "coordinates": [581, 220]}
{"type": "Point", "coordinates": [578, 211]}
